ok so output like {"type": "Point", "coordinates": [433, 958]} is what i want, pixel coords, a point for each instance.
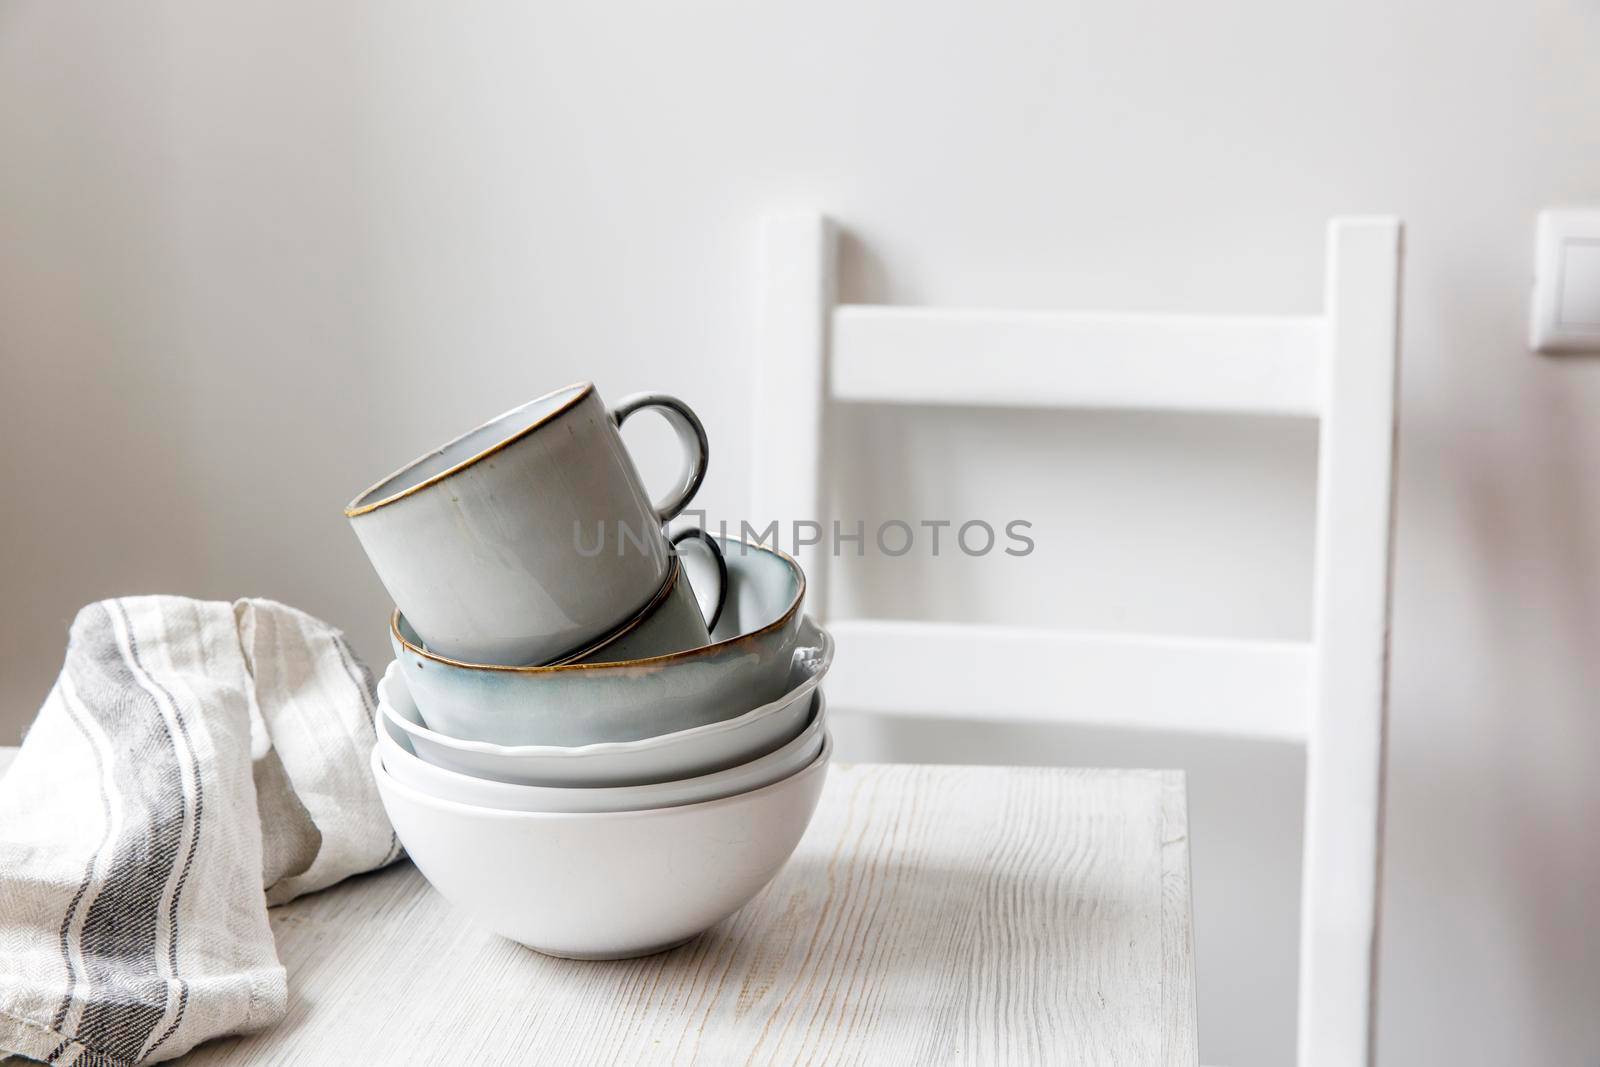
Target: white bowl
{"type": "Point", "coordinates": [684, 754]}
{"type": "Point", "coordinates": [786, 759]}
{"type": "Point", "coordinates": [603, 885]}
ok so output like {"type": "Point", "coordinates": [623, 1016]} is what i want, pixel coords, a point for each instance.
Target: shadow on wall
{"type": "Point", "coordinates": [1244, 850]}
{"type": "Point", "coordinates": [1536, 541]}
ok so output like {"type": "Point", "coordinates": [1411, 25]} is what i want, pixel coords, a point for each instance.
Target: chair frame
{"type": "Point", "coordinates": [1330, 693]}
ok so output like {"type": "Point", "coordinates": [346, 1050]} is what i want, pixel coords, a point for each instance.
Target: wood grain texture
{"type": "Point", "coordinates": [932, 914]}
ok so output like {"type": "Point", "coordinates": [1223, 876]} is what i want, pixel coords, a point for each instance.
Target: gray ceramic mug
{"type": "Point", "coordinates": [529, 538]}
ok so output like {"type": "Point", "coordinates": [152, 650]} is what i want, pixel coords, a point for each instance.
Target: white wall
{"type": "Point", "coordinates": [253, 255]}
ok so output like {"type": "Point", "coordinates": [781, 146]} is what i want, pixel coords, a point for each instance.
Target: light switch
{"type": "Point", "coordinates": [1580, 284]}
{"type": "Point", "coordinates": [1566, 287]}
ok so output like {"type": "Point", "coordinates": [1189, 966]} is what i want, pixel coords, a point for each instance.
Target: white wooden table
{"type": "Point", "coordinates": [931, 914]}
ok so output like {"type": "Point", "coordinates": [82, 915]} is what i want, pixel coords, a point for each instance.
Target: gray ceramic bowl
{"type": "Point", "coordinates": [667, 757]}
{"type": "Point", "coordinates": [746, 665]}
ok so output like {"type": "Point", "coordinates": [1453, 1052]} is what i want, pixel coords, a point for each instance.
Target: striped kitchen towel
{"type": "Point", "coordinates": [195, 761]}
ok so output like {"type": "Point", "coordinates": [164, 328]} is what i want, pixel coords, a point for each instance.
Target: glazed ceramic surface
{"type": "Point", "coordinates": [530, 537]}
{"type": "Point", "coordinates": [586, 703]}
{"type": "Point", "coordinates": [671, 623]}
{"type": "Point", "coordinates": [603, 885]}
{"type": "Point", "coordinates": [789, 757]}
{"type": "Point", "coordinates": [684, 754]}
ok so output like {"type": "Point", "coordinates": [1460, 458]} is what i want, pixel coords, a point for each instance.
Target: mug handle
{"type": "Point", "coordinates": [691, 435]}
{"type": "Point", "coordinates": [696, 534]}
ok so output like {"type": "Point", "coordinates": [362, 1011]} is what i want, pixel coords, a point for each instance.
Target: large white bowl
{"type": "Point", "coordinates": [683, 754]}
{"type": "Point", "coordinates": [400, 761]}
{"type": "Point", "coordinates": [609, 885]}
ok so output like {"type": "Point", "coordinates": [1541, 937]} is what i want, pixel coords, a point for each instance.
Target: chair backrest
{"type": "Point", "coordinates": [1330, 693]}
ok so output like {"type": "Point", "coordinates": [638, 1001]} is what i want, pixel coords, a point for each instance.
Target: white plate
{"type": "Point", "coordinates": [606, 885]}
{"type": "Point", "coordinates": [684, 754]}
{"type": "Point", "coordinates": [400, 761]}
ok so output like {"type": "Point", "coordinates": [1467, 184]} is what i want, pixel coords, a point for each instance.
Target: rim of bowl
{"type": "Point", "coordinates": [579, 390]}
{"type": "Point", "coordinates": [387, 780]}
{"type": "Point", "coordinates": [816, 723]}
{"type": "Point", "coordinates": [600, 748]}
{"type": "Point", "coordinates": [648, 661]}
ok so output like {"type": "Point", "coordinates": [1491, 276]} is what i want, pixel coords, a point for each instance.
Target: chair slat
{"type": "Point", "coordinates": [1257, 364]}
{"type": "Point", "coordinates": [1344, 766]}
{"type": "Point", "coordinates": [787, 448]}
{"type": "Point", "coordinates": [1340, 367]}
{"type": "Point", "coordinates": [1258, 689]}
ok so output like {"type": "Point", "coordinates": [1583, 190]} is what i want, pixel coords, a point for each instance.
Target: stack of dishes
{"type": "Point", "coordinates": [589, 793]}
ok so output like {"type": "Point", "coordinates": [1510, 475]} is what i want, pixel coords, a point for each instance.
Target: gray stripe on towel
{"type": "Point", "coordinates": [194, 836]}
{"type": "Point", "coordinates": [60, 1016]}
{"type": "Point", "coordinates": [118, 940]}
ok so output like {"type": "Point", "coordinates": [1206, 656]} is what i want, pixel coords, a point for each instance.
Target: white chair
{"type": "Point", "coordinates": [1329, 693]}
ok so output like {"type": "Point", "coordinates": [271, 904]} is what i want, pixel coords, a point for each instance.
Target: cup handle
{"type": "Point", "coordinates": [691, 435]}
{"type": "Point", "coordinates": [715, 549]}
